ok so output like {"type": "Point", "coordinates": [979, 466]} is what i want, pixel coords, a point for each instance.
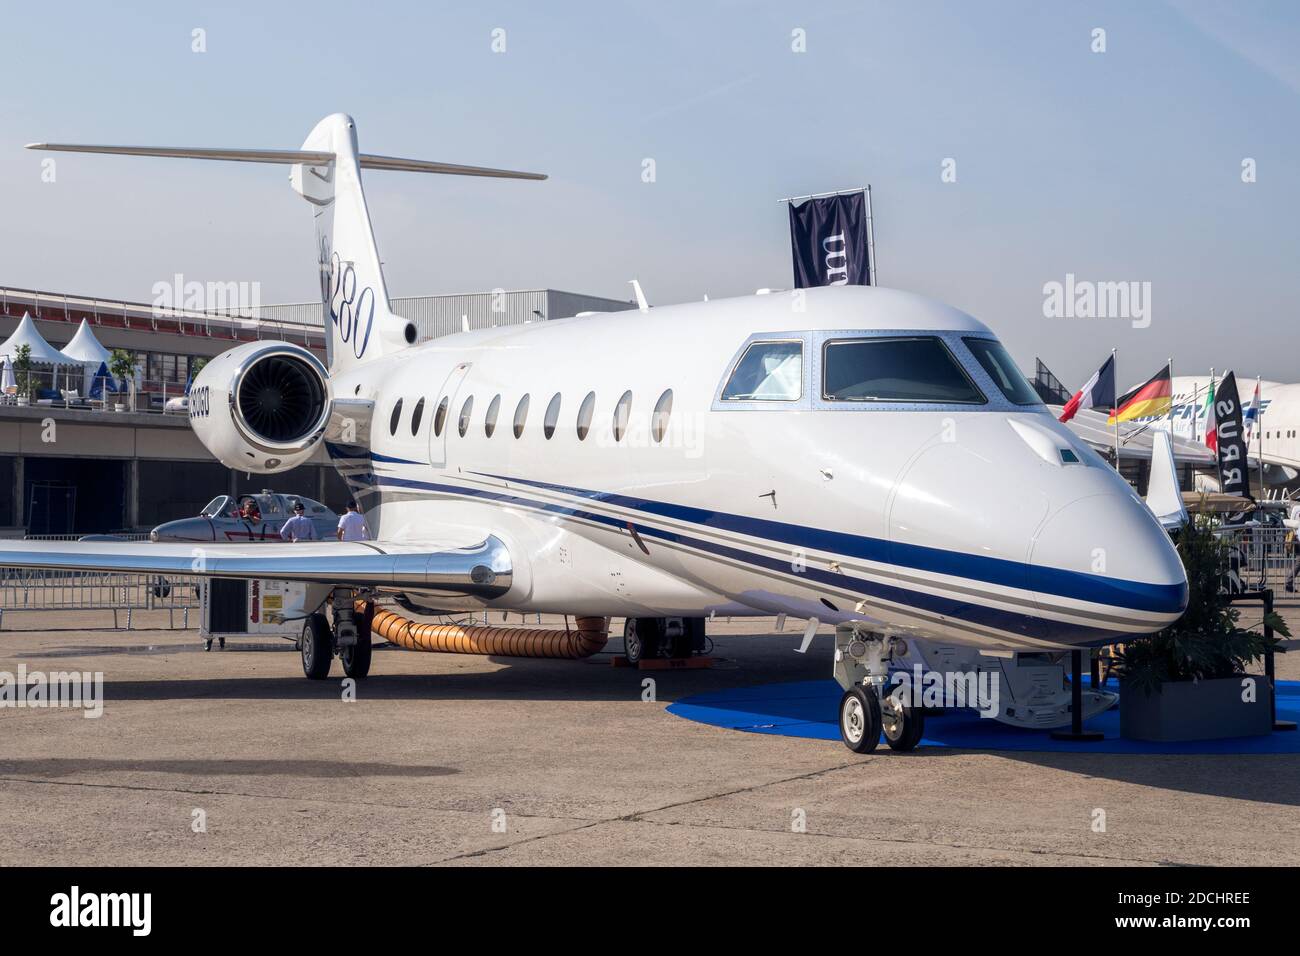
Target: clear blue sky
{"type": "Point", "coordinates": [1116, 166]}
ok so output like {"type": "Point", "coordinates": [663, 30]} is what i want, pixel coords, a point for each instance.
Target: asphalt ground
{"type": "Point", "coordinates": [233, 757]}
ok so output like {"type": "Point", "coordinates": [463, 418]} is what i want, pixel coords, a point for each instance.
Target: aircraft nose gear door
{"type": "Point", "coordinates": [446, 417]}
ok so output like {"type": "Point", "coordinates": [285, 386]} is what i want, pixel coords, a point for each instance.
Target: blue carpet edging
{"type": "Point", "coordinates": [810, 709]}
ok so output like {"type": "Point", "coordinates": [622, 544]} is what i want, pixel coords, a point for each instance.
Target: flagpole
{"type": "Point", "coordinates": [1171, 399]}
{"type": "Point", "coordinates": [871, 238]}
{"type": "Point", "coordinates": [1259, 428]}
{"type": "Point", "coordinates": [1116, 367]}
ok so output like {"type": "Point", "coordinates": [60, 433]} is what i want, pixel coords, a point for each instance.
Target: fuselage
{"type": "Point", "coordinates": [642, 479]}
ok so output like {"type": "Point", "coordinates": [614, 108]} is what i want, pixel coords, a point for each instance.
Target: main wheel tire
{"type": "Point", "coordinates": [356, 659]}
{"type": "Point", "coordinates": [641, 638]}
{"type": "Point", "coordinates": [684, 644]}
{"type": "Point", "coordinates": [860, 719]}
{"type": "Point", "coordinates": [902, 724]}
{"type": "Point", "coordinates": [317, 647]}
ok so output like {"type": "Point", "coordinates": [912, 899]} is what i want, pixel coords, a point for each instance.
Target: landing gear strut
{"type": "Point", "coordinates": [869, 707]}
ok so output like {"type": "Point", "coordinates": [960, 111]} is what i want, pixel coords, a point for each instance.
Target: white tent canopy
{"type": "Point", "coordinates": [42, 351]}
{"type": "Point", "coordinates": [85, 349]}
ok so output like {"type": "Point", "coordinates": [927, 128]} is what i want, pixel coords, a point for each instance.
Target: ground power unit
{"type": "Point", "coordinates": [232, 608]}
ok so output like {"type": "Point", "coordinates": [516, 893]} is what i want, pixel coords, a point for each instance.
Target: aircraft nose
{"type": "Point", "coordinates": [184, 529]}
{"type": "Point", "coordinates": [1101, 568]}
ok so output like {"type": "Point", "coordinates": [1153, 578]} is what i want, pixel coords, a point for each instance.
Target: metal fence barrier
{"type": "Point", "coordinates": [28, 589]}
{"type": "Point", "coordinates": [1261, 557]}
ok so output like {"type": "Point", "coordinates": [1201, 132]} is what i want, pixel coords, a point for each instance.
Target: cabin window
{"type": "Point", "coordinates": [440, 416]}
{"type": "Point", "coordinates": [767, 372]}
{"type": "Point", "coordinates": [397, 417]}
{"type": "Point", "coordinates": [585, 412]}
{"type": "Point", "coordinates": [997, 362]}
{"type": "Point", "coordinates": [490, 420]}
{"type": "Point", "coordinates": [919, 369]}
{"type": "Point", "coordinates": [416, 415]}
{"type": "Point", "coordinates": [659, 420]}
{"type": "Point", "coordinates": [521, 415]}
{"type": "Point", "coordinates": [552, 416]}
{"type": "Point", "coordinates": [462, 424]}
{"type": "Point", "coordinates": [622, 411]}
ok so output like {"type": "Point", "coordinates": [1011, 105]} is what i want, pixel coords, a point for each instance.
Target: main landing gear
{"type": "Point", "coordinates": [645, 638]}
{"type": "Point", "coordinates": [348, 637]}
{"type": "Point", "coordinates": [869, 707]}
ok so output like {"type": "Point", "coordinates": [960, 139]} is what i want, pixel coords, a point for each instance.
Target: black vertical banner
{"type": "Point", "coordinates": [828, 239]}
{"type": "Point", "coordinates": [1234, 468]}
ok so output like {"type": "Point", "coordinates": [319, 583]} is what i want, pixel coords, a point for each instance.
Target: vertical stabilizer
{"type": "Point", "coordinates": [359, 323]}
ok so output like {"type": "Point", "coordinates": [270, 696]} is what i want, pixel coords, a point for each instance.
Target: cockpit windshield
{"type": "Point", "coordinates": [997, 362]}
{"type": "Point", "coordinates": [904, 369]}
{"type": "Point", "coordinates": [767, 372]}
{"type": "Point", "coordinates": [216, 508]}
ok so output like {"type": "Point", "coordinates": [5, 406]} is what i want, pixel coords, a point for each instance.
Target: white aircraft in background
{"type": "Point", "coordinates": [1275, 437]}
{"type": "Point", "coordinates": [859, 456]}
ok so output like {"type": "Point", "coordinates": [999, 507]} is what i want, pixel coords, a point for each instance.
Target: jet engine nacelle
{"type": "Point", "coordinates": [261, 407]}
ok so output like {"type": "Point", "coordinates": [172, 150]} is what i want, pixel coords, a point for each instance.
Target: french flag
{"type": "Point", "coordinates": [1097, 392]}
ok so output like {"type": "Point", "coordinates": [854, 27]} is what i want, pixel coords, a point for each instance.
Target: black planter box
{"type": "Point", "coordinates": [1195, 710]}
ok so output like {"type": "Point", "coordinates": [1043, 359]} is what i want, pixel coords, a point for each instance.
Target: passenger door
{"type": "Point", "coordinates": [438, 435]}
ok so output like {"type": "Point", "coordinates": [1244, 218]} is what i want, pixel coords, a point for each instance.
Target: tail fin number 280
{"type": "Point", "coordinates": [351, 311]}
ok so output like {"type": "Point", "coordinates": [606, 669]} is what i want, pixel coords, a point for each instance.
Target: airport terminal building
{"type": "Point", "coordinates": [72, 467]}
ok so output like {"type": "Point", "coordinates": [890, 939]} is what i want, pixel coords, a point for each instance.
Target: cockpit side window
{"type": "Point", "coordinates": [902, 369]}
{"type": "Point", "coordinates": [767, 372]}
{"type": "Point", "coordinates": [1006, 375]}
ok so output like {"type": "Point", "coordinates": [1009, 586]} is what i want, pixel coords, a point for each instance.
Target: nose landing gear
{"type": "Point", "coordinates": [868, 706]}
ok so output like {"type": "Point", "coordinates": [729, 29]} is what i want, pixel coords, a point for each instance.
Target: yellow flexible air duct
{"type": "Point", "coordinates": [589, 637]}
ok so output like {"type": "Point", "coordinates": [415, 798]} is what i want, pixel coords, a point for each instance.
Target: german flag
{"type": "Point", "coordinates": [1151, 399]}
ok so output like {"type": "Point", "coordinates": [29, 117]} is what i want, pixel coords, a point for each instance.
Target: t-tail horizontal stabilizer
{"type": "Point", "coordinates": [326, 172]}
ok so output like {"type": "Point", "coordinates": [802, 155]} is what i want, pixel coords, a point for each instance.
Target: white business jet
{"type": "Point", "coordinates": [858, 456]}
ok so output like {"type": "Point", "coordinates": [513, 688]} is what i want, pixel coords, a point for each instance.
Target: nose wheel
{"type": "Point", "coordinates": [902, 723]}
{"type": "Point", "coordinates": [860, 719]}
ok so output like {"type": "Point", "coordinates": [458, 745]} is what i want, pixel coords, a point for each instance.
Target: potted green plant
{"type": "Point", "coordinates": [1190, 681]}
{"type": "Point", "coordinates": [121, 365]}
{"type": "Point", "coordinates": [23, 372]}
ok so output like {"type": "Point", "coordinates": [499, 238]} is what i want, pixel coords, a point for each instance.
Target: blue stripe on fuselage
{"type": "Point", "coordinates": [970, 611]}
{"type": "Point", "coordinates": [1132, 595]}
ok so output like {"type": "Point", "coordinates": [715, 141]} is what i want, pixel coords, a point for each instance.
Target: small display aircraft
{"type": "Point", "coordinates": [256, 517]}
{"type": "Point", "coordinates": [854, 455]}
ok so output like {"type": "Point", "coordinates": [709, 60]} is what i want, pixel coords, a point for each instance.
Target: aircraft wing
{"type": "Point", "coordinates": [461, 562]}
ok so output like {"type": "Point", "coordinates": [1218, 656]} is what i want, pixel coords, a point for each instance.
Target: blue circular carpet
{"type": "Point", "coordinates": [809, 709]}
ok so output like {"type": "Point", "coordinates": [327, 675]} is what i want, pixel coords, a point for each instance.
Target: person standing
{"type": "Point", "coordinates": [352, 524]}
{"type": "Point", "coordinates": [299, 527]}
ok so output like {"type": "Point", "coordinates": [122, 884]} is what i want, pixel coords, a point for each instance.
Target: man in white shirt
{"type": "Point", "coordinates": [299, 527]}
{"type": "Point", "coordinates": [352, 524]}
